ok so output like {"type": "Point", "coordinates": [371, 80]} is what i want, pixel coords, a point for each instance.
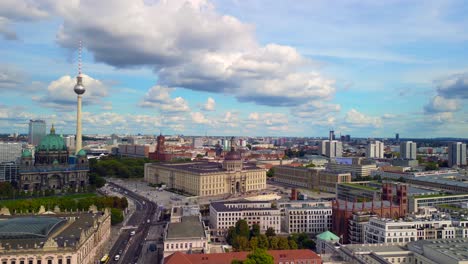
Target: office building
{"type": "Point", "coordinates": [446, 251]}
{"type": "Point", "coordinates": [300, 256]}
{"type": "Point", "coordinates": [311, 217]}
{"type": "Point", "coordinates": [186, 232]}
{"type": "Point", "coordinates": [408, 150]}
{"type": "Point", "coordinates": [9, 172]}
{"type": "Point", "coordinates": [10, 152]}
{"type": "Point", "coordinates": [37, 130]}
{"type": "Point", "coordinates": [375, 150]}
{"type": "Point", "coordinates": [384, 230]}
{"type": "Point", "coordinates": [456, 154]}
{"type": "Point", "coordinates": [356, 166]}
{"type": "Point", "coordinates": [225, 214]}
{"type": "Point", "coordinates": [197, 142]}
{"type": "Point", "coordinates": [54, 237]}
{"type": "Point", "coordinates": [356, 226]}
{"type": "Point", "coordinates": [397, 137]}
{"type": "Point", "coordinates": [358, 191]}
{"type": "Point", "coordinates": [310, 178]}
{"type": "Point", "coordinates": [136, 151]}
{"type": "Point", "coordinates": [417, 201]}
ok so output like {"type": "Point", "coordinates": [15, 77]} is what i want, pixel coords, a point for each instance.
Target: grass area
{"type": "Point", "coordinates": [362, 187]}
{"type": "Point", "coordinates": [451, 207]}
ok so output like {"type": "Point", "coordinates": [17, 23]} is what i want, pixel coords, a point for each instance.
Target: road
{"type": "Point", "coordinates": [129, 246]}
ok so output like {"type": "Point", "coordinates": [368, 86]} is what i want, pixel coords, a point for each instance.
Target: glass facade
{"type": "Point", "coordinates": [37, 130]}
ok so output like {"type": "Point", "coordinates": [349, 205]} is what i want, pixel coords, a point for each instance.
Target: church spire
{"type": "Point", "coordinates": [52, 130]}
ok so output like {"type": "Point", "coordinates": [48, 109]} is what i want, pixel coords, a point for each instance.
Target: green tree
{"type": "Point", "coordinates": [432, 166]}
{"type": "Point", "coordinates": [293, 244]}
{"type": "Point", "coordinates": [254, 243]}
{"type": "Point", "coordinates": [263, 241]}
{"type": "Point", "coordinates": [259, 256]}
{"type": "Point", "coordinates": [255, 232]}
{"type": "Point", "coordinates": [241, 243]}
{"type": "Point", "coordinates": [200, 156]}
{"type": "Point", "coordinates": [270, 232]}
{"type": "Point", "coordinates": [231, 235]}
{"type": "Point", "coordinates": [242, 228]}
{"type": "Point", "coordinates": [274, 242]}
{"type": "Point", "coordinates": [283, 243]}
{"type": "Point", "coordinates": [236, 261]}
{"type": "Point", "coordinates": [116, 216]}
{"type": "Point", "coordinates": [270, 172]}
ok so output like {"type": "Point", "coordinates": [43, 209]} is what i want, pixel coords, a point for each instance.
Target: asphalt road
{"type": "Point", "coordinates": [129, 246]}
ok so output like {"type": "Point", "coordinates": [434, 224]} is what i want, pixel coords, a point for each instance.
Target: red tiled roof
{"type": "Point", "coordinates": [222, 258]}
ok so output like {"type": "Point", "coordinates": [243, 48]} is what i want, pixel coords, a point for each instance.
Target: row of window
{"type": "Point", "coordinates": [39, 261]}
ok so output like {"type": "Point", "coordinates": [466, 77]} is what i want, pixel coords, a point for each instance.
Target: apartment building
{"type": "Point", "coordinates": [312, 217]}
{"type": "Point", "coordinates": [225, 214]}
{"type": "Point", "coordinates": [384, 230]}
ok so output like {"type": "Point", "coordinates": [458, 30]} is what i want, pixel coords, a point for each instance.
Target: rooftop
{"type": "Point", "coordinates": [221, 206]}
{"type": "Point", "coordinates": [29, 227]}
{"type": "Point", "coordinates": [203, 167]}
{"type": "Point", "coordinates": [360, 186]}
{"type": "Point", "coordinates": [189, 227]}
{"type": "Point", "coordinates": [455, 249]}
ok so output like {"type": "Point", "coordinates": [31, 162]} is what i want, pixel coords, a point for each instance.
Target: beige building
{"type": "Point", "coordinates": [310, 178]}
{"type": "Point", "coordinates": [355, 166]}
{"type": "Point", "coordinates": [186, 232]}
{"type": "Point", "coordinates": [208, 178]}
{"type": "Point", "coordinates": [54, 237]}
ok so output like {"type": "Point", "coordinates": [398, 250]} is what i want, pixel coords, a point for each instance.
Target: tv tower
{"type": "Point", "coordinates": [79, 90]}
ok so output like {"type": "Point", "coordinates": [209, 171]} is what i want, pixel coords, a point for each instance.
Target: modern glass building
{"type": "Point", "coordinates": [37, 130]}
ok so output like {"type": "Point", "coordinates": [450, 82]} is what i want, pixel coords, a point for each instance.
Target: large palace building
{"type": "Point", "coordinates": [53, 168]}
{"type": "Point", "coordinates": [54, 237]}
{"type": "Point", "coordinates": [208, 178]}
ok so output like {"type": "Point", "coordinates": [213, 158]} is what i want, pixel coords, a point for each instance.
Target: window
{"type": "Point", "coordinates": [49, 261]}
{"type": "Point", "coordinates": [68, 261]}
{"type": "Point", "coordinates": [39, 261]}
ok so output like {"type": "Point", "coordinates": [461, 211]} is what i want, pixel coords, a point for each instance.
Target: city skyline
{"type": "Point", "coordinates": [237, 68]}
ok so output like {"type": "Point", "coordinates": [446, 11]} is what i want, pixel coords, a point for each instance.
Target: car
{"type": "Point", "coordinates": [117, 257]}
{"type": "Point", "coordinates": [152, 247]}
{"type": "Point", "coordinates": [120, 252]}
{"type": "Point", "coordinates": [148, 221]}
{"type": "Point", "coordinates": [132, 233]}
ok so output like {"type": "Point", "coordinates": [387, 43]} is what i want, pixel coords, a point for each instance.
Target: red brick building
{"type": "Point", "coordinates": [279, 256]}
{"type": "Point", "coordinates": [390, 206]}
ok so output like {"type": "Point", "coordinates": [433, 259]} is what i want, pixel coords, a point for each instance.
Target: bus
{"type": "Point", "coordinates": [105, 259]}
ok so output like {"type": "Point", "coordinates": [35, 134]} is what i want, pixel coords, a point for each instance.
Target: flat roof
{"type": "Point", "coordinates": [203, 167]}
{"type": "Point", "coordinates": [456, 249]}
{"type": "Point", "coordinates": [189, 227]}
{"type": "Point", "coordinates": [221, 206]}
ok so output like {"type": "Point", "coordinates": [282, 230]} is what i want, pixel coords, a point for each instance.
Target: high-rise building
{"type": "Point", "coordinates": [397, 137]}
{"type": "Point", "coordinates": [408, 150]}
{"type": "Point", "coordinates": [375, 150]}
{"type": "Point", "coordinates": [456, 154]}
{"type": "Point", "coordinates": [37, 130]}
{"type": "Point", "coordinates": [10, 152]}
{"type": "Point", "coordinates": [331, 148]}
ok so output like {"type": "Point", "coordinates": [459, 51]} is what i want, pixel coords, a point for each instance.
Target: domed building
{"type": "Point", "coordinates": [53, 168]}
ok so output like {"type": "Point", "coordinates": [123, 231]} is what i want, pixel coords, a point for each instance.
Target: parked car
{"type": "Point", "coordinates": [117, 257]}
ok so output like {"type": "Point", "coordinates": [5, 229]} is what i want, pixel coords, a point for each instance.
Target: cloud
{"type": "Point", "coordinates": [190, 45]}
{"type": "Point", "coordinates": [159, 97]}
{"type": "Point", "coordinates": [209, 105]}
{"type": "Point", "coordinates": [358, 119]}
{"type": "Point", "coordinates": [315, 109]}
{"type": "Point", "coordinates": [60, 94]}
{"type": "Point", "coordinates": [455, 86]}
{"type": "Point", "coordinates": [12, 11]}
{"type": "Point", "coordinates": [199, 118]}
{"type": "Point", "coordinates": [440, 104]}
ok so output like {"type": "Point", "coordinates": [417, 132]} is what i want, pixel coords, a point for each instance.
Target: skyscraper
{"type": "Point", "coordinates": [79, 90]}
{"type": "Point", "coordinates": [397, 137]}
{"type": "Point", "coordinates": [37, 130]}
{"type": "Point", "coordinates": [331, 148]}
{"type": "Point", "coordinates": [375, 150]}
{"type": "Point", "coordinates": [10, 152]}
{"type": "Point", "coordinates": [408, 150]}
{"type": "Point", "coordinates": [456, 154]}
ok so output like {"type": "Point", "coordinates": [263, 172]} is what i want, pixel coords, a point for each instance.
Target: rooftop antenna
{"type": "Point", "coordinates": [79, 57]}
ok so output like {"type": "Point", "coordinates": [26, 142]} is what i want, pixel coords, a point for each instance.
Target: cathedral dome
{"type": "Point", "coordinates": [233, 155]}
{"type": "Point", "coordinates": [52, 142]}
{"type": "Point", "coordinates": [82, 152]}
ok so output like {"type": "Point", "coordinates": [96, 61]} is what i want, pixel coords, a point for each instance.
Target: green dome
{"type": "Point", "coordinates": [82, 152]}
{"type": "Point", "coordinates": [52, 142]}
{"type": "Point", "coordinates": [26, 153]}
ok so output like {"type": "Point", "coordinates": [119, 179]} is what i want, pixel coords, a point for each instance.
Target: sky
{"type": "Point", "coordinates": [230, 67]}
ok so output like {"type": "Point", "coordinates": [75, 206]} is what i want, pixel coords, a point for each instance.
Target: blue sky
{"type": "Point", "coordinates": [273, 68]}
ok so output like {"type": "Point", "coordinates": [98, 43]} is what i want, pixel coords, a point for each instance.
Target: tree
{"type": "Point", "coordinates": [270, 172]}
{"type": "Point", "coordinates": [432, 166]}
{"type": "Point", "coordinates": [293, 244]}
{"type": "Point", "coordinates": [236, 261]}
{"type": "Point", "coordinates": [200, 156]}
{"type": "Point", "coordinates": [242, 228]}
{"type": "Point", "coordinates": [231, 235]}
{"type": "Point", "coordinates": [255, 230]}
{"type": "Point", "coordinates": [116, 216]}
{"type": "Point", "coordinates": [241, 243]}
{"type": "Point", "coordinates": [263, 241]}
{"type": "Point", "coordinates": [283, 243]}
{"type": "Point", "coordinates": [274, 242]}
{"type": "Point", "coordinates": [259, 256]}
{"type": "Point", "coordinates": [270, 232]}
{"type": "Point", "coordinates": [254, 243]}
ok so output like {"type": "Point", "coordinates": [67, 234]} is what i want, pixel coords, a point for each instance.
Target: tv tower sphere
{"type": "Point", "coordinates": [79, 87]}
